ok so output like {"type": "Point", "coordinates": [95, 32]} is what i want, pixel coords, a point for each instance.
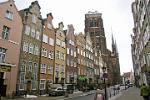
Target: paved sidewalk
{"type": "Point", "coordinates": [76, 94]}
{"type": "Point", "coordinates": [132, 93]}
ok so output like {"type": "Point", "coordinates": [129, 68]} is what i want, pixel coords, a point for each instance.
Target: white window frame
{"type": "Point", "coordinates": [70, 41]}
{"type": "Point", "coordinates": [58, 42]}
{"type": "Point", "coordinates": [75, 54]}
{"type": "Point", "coordinates": [22, 82]}
{"type": "Point", "coordinates": [61, 56]}
{"type": "Point", "coordinates": [43, 84]}
{"type": "Point", "coordinates": [57, 67]}
{"type": "Point", "coordinates": [44, 52]}
{"type": "Point", "coordinates": [81, 52]}
{"type": "Point", "coordinates": [30, 65]}
{"type": "Point", "coordinates": [71, 52]}
{"type": "Point", "coordinates": [78, 51]}
{"type": "Point", "coordinates": [9, 15]}
{"type": "Point", "coordinates": [63, 44]}
{"type": "Point", "coordinates": [57, 54]}
{"type": "Point", "coordinates": [45, 38]}
{"type": "Point", "coordinates": [36, 50]}
{"type": "Point", "coordinates": [75, 64]}
{"type": "Point", "coordinates": [68, 50]}
{"type": "Point", "coordinates": [38, 35]}
{"type": "Point", "coordinates": [34, 85]}
{"type": "Point", "coordinates": [50, 69]}
{"type": "Point", "coordinates": [31, 48]}
{"type": "Point", "coordinates": [25, 46]}
{"type": "Point", "coordinates": [43, 68]}
{"type": "Point", "coordinates": [35, 67]}
{"type": "Point", "coordinates": [2, 54]}
{"type": "Point", "coordinates": [51, 41]}
{"type": "Point", "coordinates": [23, 66]}
{"type": "Point", "coordinates": [84, 53]}
{"type": "Point", "coordinates": [33, 34]}
{"type": "Point", "coordinates": [27, 30]}
{"type": "Point", "coordinates": [51, 55]}
{"type": "Point", "coordinates": [5, 32]}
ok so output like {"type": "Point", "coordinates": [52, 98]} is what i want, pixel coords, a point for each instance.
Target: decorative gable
{"type": "Point", "coordinates": [60, 30]}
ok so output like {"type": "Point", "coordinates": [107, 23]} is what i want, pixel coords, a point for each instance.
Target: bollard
{"type": "Point", "coordinates": [13, 95]}
{"type": "Point", "coordinates": [110, 95]}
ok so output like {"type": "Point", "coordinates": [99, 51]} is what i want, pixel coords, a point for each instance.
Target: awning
{"type": "Point", "coordinates": [6, 67]}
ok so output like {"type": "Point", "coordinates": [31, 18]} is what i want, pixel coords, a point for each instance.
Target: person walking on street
{"type": "Point", "coordinates": [145, 91]}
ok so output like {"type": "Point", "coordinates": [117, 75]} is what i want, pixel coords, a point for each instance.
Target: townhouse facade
{"type": "Point", "coordinates": [71, 67]}
{"type": "Point", "coordinates": [89, 59]}
{"type": "Point", "coordinates": [60, 56]}
{"type": "Point", "coordinates": [80, 51]}
{"type": "Point", "coordinates": [47, 54]}
{"type": "Point", "coordinates": [10, 42]}
{"type": "Point", "coordinates": [97, 67]}
{"type": "Point", "coordinates": [140, 41]}
{"type": "Point", "coordinates": [29, 64]}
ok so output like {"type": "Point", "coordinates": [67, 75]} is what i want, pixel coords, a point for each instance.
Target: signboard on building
{"type": "Point", "coordinates": [5, 68]}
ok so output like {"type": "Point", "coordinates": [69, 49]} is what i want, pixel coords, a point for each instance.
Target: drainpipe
{"type": "Point", "coordinates": [40, 56]}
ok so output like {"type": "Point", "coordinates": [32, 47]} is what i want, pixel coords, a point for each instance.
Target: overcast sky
{"type": "Point", "coordinates": [116, 14]}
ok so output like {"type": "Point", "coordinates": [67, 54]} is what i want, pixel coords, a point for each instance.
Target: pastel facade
{"type": "Point", "coordinates": [10, 43]}
{"type": "Point", "coordinates": [60, 55]}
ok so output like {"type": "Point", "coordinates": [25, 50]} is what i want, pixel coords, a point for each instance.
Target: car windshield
{"type": "Point", "coordinates": [53, 87]}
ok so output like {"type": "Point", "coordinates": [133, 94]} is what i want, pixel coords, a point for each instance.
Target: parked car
{"type": "Point", "coordinates": [57, 91]}
{"type": "Point", "coordinates": [130, 85]}
{"type": "Point", "coordinates": [117, 87]}
{"type": "Point", "coordinates": [122, 85]}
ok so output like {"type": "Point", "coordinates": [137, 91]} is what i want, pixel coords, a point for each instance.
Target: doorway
{"type": "Point", "coordinates": [28, 87]}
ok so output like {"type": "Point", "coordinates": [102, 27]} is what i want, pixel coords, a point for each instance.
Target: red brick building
{"type": "Point", "coordinates": [47, 55]}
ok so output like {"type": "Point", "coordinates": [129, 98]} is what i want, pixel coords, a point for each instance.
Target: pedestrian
{"type": "Point", "coordinates": [99, 95]}
{"type": "Point", "coordinates": [144, 91]}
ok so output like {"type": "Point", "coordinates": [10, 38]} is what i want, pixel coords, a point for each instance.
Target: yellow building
{"type": "Point", "coordinates": [60, 53]}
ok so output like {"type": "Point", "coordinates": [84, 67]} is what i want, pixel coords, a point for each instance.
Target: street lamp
{"type": "Point", "coordinates": [104, 77]}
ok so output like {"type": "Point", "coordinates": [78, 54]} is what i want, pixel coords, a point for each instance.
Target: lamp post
{"type": "Point", "coordinates": [104, 77]}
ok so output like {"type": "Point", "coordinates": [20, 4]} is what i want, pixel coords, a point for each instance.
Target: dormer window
{"type": "Point", "coordinates": [9, 15]}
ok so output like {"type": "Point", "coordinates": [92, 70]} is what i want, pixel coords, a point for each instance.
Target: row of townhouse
{"type": "Point", "coordinates": [34, 54]}
{"type": "Point", "coordinates": [140, 46]}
